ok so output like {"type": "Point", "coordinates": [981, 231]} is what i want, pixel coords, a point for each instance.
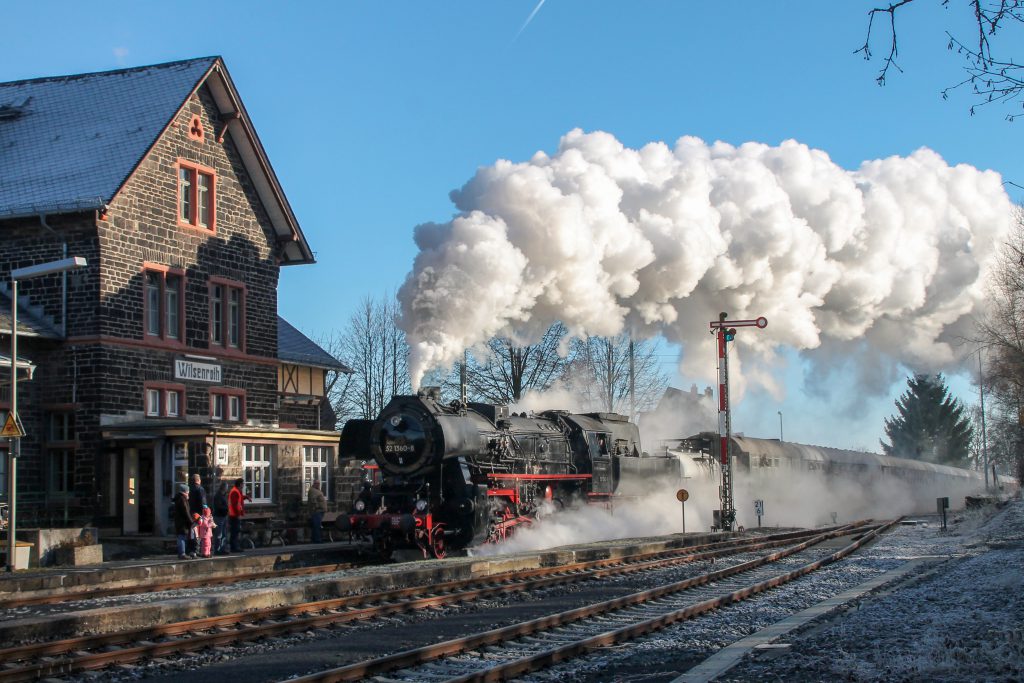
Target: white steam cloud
{"type": "Point", "coordinates": [886, 262]}
{"type": "Point", "coordinates": [791, 499]}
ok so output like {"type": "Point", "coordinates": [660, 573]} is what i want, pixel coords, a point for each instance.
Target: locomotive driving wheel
{"type": "Point", "coordinates": [437, 545]}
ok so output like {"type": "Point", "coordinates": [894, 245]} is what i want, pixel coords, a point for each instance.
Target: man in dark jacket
{"type": "Point", "coordinates": [182, 522]}
{"type": "Point", "coordinates": [220, 518]}
{"type": "Point", "coordinates": [317, 504]}
{"type": "Point", "coordinates": [196, 503]}
{"type": "Point", "coordinates": [196, 495]}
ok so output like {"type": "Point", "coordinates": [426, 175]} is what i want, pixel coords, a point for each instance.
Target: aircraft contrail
{"type": "Point", "coordinates": [529, 19]}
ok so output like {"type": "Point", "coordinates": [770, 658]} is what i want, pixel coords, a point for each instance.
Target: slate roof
{"type": "Point", "coordinates": [295, 347]}
{"type": "Point", "coordinates": [69, 143]}
{"type": "Point", "coordinates": [78, 138]}
{"type": "Point", "coordinates": [30, 323]}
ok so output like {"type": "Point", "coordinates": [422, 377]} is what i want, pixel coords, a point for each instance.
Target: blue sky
{"type": "Point", "coordinates": [372, 112]}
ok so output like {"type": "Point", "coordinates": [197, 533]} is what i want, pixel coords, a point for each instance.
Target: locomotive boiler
{"type": "Point", "coordinates": [452, 475]}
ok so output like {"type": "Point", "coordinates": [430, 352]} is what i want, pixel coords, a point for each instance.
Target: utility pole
{"type": "Point", "coordinates": [984, 436]}
{"type": "Point", "coordinates": [463, 380]}
{"type": "Point", "coordinates": [726, 334]}
{"type": "Point", "coordinates": [632, 381]}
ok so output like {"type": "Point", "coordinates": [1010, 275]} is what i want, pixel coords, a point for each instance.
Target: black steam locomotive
{"type": "Point", "coordinates": [449, 476]}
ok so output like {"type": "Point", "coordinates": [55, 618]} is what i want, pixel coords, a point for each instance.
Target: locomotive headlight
{"type": "Point", "coordinates": [421, 505]}
{"type": "Point", "coordinates": [360, 506]}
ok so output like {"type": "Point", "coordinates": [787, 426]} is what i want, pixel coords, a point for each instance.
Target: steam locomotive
{"type": "Point", "coordinates": [448, 476]}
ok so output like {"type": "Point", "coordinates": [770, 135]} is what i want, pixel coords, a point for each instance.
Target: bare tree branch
{"type": "Point", "coordinates": [890, 60]}
{"type": "Point", "coordinates": [991, 79]}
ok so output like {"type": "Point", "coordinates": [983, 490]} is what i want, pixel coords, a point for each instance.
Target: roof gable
{"type": "Point", "coordinates": [75, 139]}
{"type": "Point", "coordinates": [70, 143]}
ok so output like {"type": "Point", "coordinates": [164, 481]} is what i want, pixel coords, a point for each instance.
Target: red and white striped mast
{"type": "Point", "coordinates": [726, 332]}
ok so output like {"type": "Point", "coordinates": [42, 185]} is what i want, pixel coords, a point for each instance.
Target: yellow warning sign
{"type": "Point", "coordinates": [12, 427]}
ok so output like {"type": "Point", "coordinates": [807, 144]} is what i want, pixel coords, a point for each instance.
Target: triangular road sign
{"type": "Point", "coordinates": [12, 427]}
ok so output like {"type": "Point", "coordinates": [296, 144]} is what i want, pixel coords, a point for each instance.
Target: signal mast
{"type": "Point", "coordinates": [726, 332]}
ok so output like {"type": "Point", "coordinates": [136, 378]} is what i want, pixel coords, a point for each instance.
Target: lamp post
{"type": "Point", "coordinates": [49, 268]}
{"type": "Point", "coordinates": [780, 427]}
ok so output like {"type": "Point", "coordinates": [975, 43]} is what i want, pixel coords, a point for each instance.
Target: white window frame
{"type": "Point", "coordinates": [234, 408]}
{"type": "Point", "coordinates": [316, 466]}
{"type": "Point", "coordinates": [258, 471]}
{"type": "Point", "coordinates": [152, 403]}
{"type": "Point", "coordinates": [217, 406]}
{"type": "Point", "coordinates": [173, 403]}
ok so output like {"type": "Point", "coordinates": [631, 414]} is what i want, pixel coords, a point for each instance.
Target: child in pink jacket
{"type": "Point", "coordinates": [204, 531]}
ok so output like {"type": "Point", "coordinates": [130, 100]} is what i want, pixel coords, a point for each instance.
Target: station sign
{"type": "Point", "coordinates": [185, 368]}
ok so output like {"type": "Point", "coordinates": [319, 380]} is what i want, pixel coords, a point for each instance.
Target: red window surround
{"type": "Point", "coordinates": [227, 314]}
{"type": "Point", "coordinates": [163, 305]}
{"type": "Point", "coordinates": [227, 405]}
{"type": "Point", "coordinates": [163, 399]}
{"type": "Point", "coordinates": [196, 196]}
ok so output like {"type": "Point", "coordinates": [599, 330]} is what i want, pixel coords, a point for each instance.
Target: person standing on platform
{"type": "Point", "coordinates": [182, 521]}
{"type": "Point", "coordinates": [196, 503]}
{"type": "Point", "coordinates": [204, 532]}
{"type": "Point", "coordinates": [317, 507]}
{"type": "Point", "coordinates": [196, 495]}
{"type": "Point", "coordinates": [236, 510]}
{"type": "Point", "coordinates": [220, 518]}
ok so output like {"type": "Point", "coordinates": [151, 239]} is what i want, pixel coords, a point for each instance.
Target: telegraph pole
{"type": "Point", "coordinates": [726, 334]}
{"type": "Point", "coordinates": [984, 436]}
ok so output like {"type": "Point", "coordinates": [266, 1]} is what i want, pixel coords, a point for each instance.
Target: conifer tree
{"type": "Point", "coordinates": [929, 424]}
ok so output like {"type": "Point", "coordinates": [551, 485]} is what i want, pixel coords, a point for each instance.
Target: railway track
{"type": "Point", "coordinates": [64, 595]}
{"type": "Point", "coordinates": [504, 653]}
{"type": "Point", "coordinates": [69, 656]}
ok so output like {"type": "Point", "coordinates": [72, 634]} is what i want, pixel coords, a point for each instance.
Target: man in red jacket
{"type": "Point", "coordinates": [236, 510]}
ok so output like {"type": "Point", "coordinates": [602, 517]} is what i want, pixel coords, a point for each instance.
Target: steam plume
{"type": "Point", "coordinates": [882, 263]}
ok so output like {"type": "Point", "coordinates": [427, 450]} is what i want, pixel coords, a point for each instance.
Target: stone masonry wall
{"type": "Point", "coordinates": [100, 371]}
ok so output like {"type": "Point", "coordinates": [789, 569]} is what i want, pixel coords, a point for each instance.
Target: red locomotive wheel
{"type": "Point", "coordinates": [437, 544]}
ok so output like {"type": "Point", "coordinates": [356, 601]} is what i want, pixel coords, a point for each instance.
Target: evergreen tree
{"type": "Point", "coordinates": [929, 424]}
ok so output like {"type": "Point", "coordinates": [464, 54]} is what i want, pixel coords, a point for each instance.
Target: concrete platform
{"type": "Point", "coordinates": [232, 600]}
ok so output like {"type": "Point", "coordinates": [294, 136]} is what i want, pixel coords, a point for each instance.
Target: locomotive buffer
{"type": "Point", "coordinates": [726, 332]}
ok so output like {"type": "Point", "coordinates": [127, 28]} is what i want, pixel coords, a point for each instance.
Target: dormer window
{"type": "Point", "coordinates": [196, 196]}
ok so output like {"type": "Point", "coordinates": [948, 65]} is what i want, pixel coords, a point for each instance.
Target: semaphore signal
{"type": "Point", "coordinates": [726, 332]}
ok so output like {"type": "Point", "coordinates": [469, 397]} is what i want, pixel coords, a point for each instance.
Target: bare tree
{"type": "Point", "coordinates": [990, 78]}
{"type": "Point", "coordinates": [601, 374]}
{"type": "Point", "coordinates": [375, 348]}
{"type": "Point", "coordinates": [1002, 333]}
{"type": "Point", "coordinates": [337, 385]}
{"type": "Point", "coordinates": [508, 370]}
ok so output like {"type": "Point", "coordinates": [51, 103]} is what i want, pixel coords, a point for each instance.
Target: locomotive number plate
{"type": "Point", "coordinates": [398, 448]}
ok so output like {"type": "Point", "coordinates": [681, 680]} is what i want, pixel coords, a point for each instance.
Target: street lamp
{"type": "Point", "coordinates": [49, 268]}
{"type": "Point", "coordinates": [780, 427]}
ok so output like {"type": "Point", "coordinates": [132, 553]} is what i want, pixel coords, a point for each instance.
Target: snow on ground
{"type": "Point", "coordinates": [964, 621]}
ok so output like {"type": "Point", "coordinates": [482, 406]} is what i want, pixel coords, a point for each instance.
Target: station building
{"type": "Point", "coordinates": [165, 355]}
